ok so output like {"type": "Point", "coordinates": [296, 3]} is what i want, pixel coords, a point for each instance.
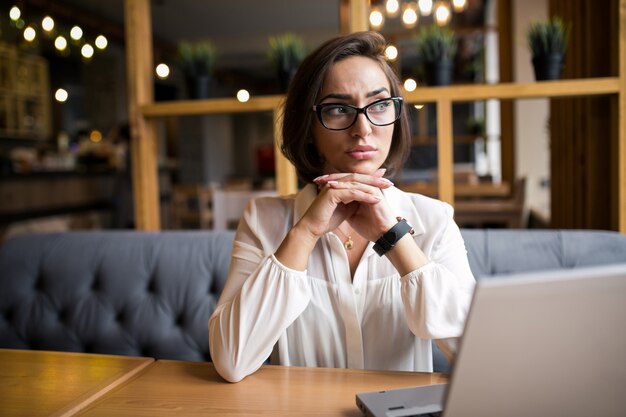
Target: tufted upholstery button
{"type": "Point", "coordinates": [95, 285]}
{"type": "Point", "coordinates": [151, 286]}
{"type": "Point", "coordinates": [119, 317]}
{"type": "Point", "coordinates": [63, 315]}
{"type": "Point", "coordinates": [39, 284]}
{"type": "Point", "coordinates": [8, 314]}
{"type": "Point", "coordinates": [180, 320]}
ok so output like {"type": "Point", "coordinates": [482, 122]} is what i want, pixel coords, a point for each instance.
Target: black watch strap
{"type": "Point", "coordinates": [392, 236]}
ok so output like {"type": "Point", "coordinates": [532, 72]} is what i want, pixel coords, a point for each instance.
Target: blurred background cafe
{"type": "Point", "coordinates": [165, 114]}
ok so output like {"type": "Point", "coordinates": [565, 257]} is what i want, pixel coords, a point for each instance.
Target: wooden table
{"type": "Point", "coordinates": [172, 388]}
{"type": "Point", "coordinates": [38, 383]}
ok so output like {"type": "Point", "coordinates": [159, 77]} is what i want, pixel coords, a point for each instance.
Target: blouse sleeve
{"type": "Point", "coordinates": [437, 296]}
{"type": "Point", "coordinates": [260, 300]}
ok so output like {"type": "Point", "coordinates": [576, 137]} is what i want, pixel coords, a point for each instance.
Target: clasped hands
{"type": "Point", "coordinates": [352, 197]}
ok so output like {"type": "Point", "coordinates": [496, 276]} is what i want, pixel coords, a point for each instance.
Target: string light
{"type": "Point", "coordinates": [376, 18]}
{"type": "Point", "coordinates": [60, 43]}
{"type": "Point", "coordinates": [30, 34]}
{"type": "Point", "coordinates": [425, 6]}
{"type": "Point", "coordinates": [76, 33]}
{"type": "Point", "coordinates": [410, 84]}
{"type": "Point", "coordinates": [162, 71]}
{"type": "Point", "coordinates": [86, 51]}
{"type": "Point", "coordinates": [15, 13]}
{"type": "Point", "coordinates": [442, 13]}
{"type": "Point", "coordinates": [47, 23]}
{"type": "Point", "coordinates": [243, 95]}
{"type": "Point", "coordinates": [60, 95]}
{"type": "Point", "coordinates": [392, 7]}
{"type": "Point", "coordinates": [459, 5]}
{"type": "Point", "coordinates": [101, 42]}
{"type": "Point", "coordinates": [409, 15]}
{"type": "Point", "coordinates": [391, 52]}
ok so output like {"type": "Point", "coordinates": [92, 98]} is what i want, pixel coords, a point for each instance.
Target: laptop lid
{"type": "Point", "coordinates": [548, 343]}
{"type": "Point", "coordinates": [551, 343]}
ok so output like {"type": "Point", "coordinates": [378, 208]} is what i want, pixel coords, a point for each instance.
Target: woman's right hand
{"type": "Point", "coordinates": [329, 209]}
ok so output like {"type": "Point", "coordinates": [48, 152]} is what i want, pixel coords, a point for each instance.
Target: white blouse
{"type": "Point", "coordinates": [320, 317]}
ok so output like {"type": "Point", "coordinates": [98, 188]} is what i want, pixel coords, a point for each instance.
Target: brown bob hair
{"type": "Point", "coordinates": [304, 92]}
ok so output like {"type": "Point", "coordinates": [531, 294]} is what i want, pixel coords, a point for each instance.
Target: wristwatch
{"type": "Point", "coordinates": [392, 236]}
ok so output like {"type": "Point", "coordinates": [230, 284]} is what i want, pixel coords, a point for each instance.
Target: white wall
{"type": "Point", "coordinates": [531, 117]}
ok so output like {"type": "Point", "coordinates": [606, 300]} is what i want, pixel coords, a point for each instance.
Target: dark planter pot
{"type": "Point", "coordinates": [548, 67]}
{"type": "Point", "coordinates": [439, 73]}
{"type": "Point", "coordinates": [198, 87]}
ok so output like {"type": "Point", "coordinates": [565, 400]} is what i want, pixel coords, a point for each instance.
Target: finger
{"type": "Point", "coordinates": [377, 182]}
{"type": "Point", "coordinates": [354, 193]}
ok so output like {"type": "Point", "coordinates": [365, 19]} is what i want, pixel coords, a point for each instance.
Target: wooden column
{"type": "Point", "coordinates": [583, 135]}
{"type": "Point", "coordinates": [286, 178]}
{"type": "Point", "coordinates": [143, 145]}
{"type": "Point", "coordinates": [445, 159]}
{"type": "Point", "coordinates": [621, 148]}
{"type": "Point", "coordinates": [359, 12]}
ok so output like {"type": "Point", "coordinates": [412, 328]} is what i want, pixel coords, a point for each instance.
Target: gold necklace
{"type": "Point", "coordinates": [348, 243]}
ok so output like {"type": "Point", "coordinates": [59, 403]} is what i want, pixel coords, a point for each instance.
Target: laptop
{"type": "Point", "coordinates": [549, 343]}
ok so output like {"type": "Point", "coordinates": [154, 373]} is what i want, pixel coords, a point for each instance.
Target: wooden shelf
{"type": "Point", "coordinates": [217, 105]}
{"type": "Point", "coordinates": [504, 91]}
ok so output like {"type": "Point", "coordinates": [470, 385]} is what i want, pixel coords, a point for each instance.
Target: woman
{"type": "Point", "coordinates": [351, 271]}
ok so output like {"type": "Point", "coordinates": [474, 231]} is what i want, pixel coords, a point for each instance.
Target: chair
{"type": "Point", "coordinates": [191, 207]}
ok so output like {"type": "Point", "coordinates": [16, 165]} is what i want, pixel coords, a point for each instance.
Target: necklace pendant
{"type": "Point", "coordinates": [348, 244]}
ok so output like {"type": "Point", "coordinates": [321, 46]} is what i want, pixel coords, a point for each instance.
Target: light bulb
{"type": "Point", "coordinates": [30, 34]}
{"type": "Point", "coordinates": [60, 95]}
{"type": "Point", "coordinates": [376, 18]}
{"type": "Point", "coordinates": [101, 42]}
{"type": "Point", "coordinates": [391, 52]}
{"type": "Point", "coordinates": [60, 43]}
{"type": "Point", "coordinates": [459, 5]}
{"type": "Point", "coordinates": [76, 33]}
{"type": "Point", "coordinates": [425, 6]}
{"type": "Point", "coordinates": [243, 95]}
{"type": "Point", "coordinates": [86, 50]}
{"type": "Point", "coordinates": [392, 7]}
{"type": "Point", "coordinates": [15, 13]}
{"type": "Point", "coordinates": [409, 16]}
{"type": "Point", "coordinates": [442, 13]}
{"type": "Point", "coordinates": [410, 84]}
{"type": "Point", "coordinates": [47, 23]}
{"type": "Point", "coordinates": [162, 71]}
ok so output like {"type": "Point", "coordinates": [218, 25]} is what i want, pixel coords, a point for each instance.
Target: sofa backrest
{"type": "Point", "coordinates": [128, 293]}
{"type": "Point", "coordinates": [507, 251]}
{"type": "Point", "coordinates": [151, 294]}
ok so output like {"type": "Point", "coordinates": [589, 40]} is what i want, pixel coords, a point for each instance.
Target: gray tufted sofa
{"type": "Point", "coordinates": [151, 294]}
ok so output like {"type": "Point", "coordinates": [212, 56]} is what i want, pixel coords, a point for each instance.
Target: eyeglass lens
{"type": "Point", "coordinates": [342, 116]}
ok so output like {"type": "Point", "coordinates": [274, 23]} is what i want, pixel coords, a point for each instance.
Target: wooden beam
{"type": "Point", "coordinates": [142, 132]}
{"type": "Point", "coordinates": [286, 178]}
{"type": "Point", "coordinates": [621, 148]}
{"type": "Point", "coordinates": [445, 159]}
{"type": "Point", "coordinates": [359, 15]}
{"type": "Point", "coordinates": [215, 105]}
{"type": "Point", "coordinates": [561, 88]}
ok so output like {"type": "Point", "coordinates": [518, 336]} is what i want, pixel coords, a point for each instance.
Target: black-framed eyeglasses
{"type": "Point", "coordinates": [338, 116]}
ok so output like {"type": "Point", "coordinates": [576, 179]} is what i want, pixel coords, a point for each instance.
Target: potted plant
{"type": "Point", "coordinates": [547, 41]}
{"type": "Point", "coordinates": [436, 46]}
{"type": "Point", "coordinates": [285, 53]}
{"type": "Point", "coordinates": [197, 61]}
